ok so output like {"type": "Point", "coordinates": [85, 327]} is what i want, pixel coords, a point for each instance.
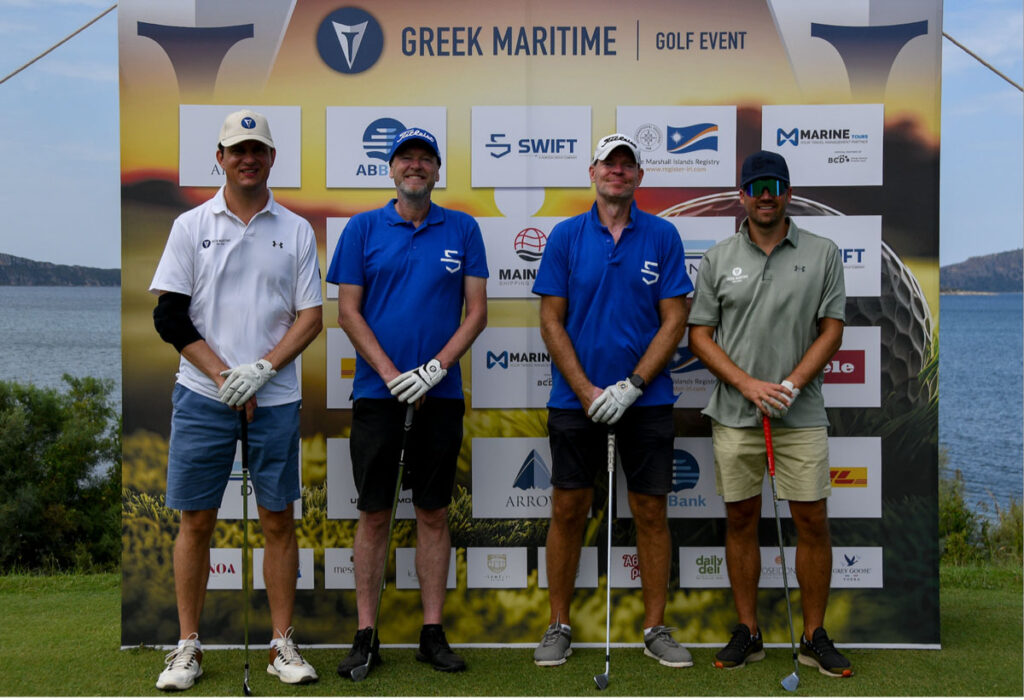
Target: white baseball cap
{"type": "Point", "coordinates": [612, 141]}
{"type": "Point", "coordinates": [245, 125]}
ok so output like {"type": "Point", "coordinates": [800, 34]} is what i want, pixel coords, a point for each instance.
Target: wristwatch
{"type": "Point", "coordinates": [637, 381]}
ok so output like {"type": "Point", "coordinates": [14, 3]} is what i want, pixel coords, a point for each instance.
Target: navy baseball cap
{"type": "Point", "coordinates": [764, 164]}
{"type": "Point", "coordinates": [414, 134]}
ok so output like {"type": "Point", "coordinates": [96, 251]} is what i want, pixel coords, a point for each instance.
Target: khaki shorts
{"type": "Point", "coordinates": [801, 462]}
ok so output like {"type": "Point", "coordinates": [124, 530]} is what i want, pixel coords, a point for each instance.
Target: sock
{"type": "Point", "coordinates": [647, 630]}
{"type": "Point", "coordinates": [181, 643]}
{"type": "Point", "coordinates": [432, 628]}
{"type": "Point", "coordinates": [565, 628]}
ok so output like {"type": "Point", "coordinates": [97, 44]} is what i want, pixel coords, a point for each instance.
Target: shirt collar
{"type": "Point", "coordinates": [595, 218]}
{"type": "Point", "coordinates": [220, 205]}
{"type": "Point", "coordinates": [792, 234]}
{"type": "Point", "coordinates": [393, 218]}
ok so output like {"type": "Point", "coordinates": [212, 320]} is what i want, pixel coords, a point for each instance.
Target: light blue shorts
{"type": "Point", "coordinates": [204, 434]}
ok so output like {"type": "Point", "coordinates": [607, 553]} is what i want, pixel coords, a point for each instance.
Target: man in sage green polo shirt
{"type": "Point", "coordinates": [768, 314]}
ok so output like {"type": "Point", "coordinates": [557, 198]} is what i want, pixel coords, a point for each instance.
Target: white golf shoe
{"type": "Point", "coordinates": [183, 665]}
{"type": "Point", "coordinates": [287, 663]}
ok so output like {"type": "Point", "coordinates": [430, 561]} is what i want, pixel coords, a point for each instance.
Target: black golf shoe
{"type": "Point", "coordinates": [435, 651]}
{"type": "Point", "coordinates": [744, 647]}
{"type": "Point", "coordinates": [360, 650]}
{"type": "Point", "coordinates": [821, 652]}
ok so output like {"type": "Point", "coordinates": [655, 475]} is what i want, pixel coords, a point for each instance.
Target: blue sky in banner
{"type": "Point", "coordinates": [60, 169]}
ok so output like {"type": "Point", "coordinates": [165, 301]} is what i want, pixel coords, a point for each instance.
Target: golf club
{"type": "Point", "coordinates": [791, 681]}
{"type": "Point", "coordinates": [245, 543]}
{"type": "Point", "coordinates": [359, 672]}
{"type": "Point", "coordinates": [602, 678]}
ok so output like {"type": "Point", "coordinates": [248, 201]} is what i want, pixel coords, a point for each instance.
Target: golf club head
{"type": "Point", "coordinates": [359, 672]}
{"type": "Point", "coordinates": [601, 680]}
{"type": "Point", "coordinates": [246, 690]}
{"type": "Point", "coordinates": [791, 682]}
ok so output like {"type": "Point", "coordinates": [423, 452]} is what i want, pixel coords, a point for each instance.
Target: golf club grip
{"type": "Point", "coordinates": [768, 444]}
{"type": "Point", "coordinates": [611, 449]}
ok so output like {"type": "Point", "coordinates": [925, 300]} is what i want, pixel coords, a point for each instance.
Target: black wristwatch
{"type": "Point", "coordinates": [637, 381]}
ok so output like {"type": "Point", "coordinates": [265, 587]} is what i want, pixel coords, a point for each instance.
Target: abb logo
{"type": "Point", "coordinates": [845, 367]}
{"type": "Point", "coordinates": [221, 568]}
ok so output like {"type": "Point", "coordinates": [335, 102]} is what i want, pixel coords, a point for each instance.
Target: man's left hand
{"type": "Point", "coordinates": [613, 402]}
{"type": "Point", "coordinates": [409, 387]}
{"type": "Point", "coordinates": [242, 382]}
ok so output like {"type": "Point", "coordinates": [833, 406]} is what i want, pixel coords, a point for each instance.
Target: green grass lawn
{"type": "Point", "coordinates": [60, 635]}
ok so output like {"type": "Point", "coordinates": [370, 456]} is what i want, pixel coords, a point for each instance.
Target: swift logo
{"type": "Point", "coordinates": [650, 272]}
{"type": "Point", "coordinates": [451, 264]}
{"type": "Point", "coordinates": [498, 148]}
{"type": "Point", "coordinates": [792, 136]}
{"type": "Point", "coordinates": [500, 360]}
{"type": "Point", "coordinates": [350, 40]}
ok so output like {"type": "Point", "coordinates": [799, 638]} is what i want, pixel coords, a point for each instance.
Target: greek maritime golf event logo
{"type": "Point", "coordinates": [350, 40]}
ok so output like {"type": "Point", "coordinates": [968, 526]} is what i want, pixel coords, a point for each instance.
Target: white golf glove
{"type": "Point", "coordinates": [409, 387]}
{"type": "Point", "coordinates": [244, 381]}
{"type": "Point", "coordinates": [787, 401]}
{"type": "Point", "coordinates": [613, 402]}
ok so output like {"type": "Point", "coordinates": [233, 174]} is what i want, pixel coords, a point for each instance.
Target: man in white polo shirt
{"type": "Point", "coordinates": [239, 298]}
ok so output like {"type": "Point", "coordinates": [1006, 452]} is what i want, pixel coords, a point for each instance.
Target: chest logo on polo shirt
{"type": "Point", "coordinates": [737, 275]}
{"type": "Point", "coordinates": [650, 272]}
{"type": "Point", "coordinates": [277, 244]}
{"type": "Point", "coordinates": [452, 264]}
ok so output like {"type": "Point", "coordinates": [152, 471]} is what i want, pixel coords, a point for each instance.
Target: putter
{"type": "Point", "coordinates": [359, 672]}
{"type": "Point", "coordinates": [245, 544]}
{"type": "Point", "coordinates": [601, 679]}
{"type": "Point", "coordinates": [791, 681]}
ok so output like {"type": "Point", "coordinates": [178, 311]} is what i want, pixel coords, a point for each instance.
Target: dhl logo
{"type": "Point", "coordinates": [849, 477]}
{"type": "Point", "coordinates": [348, 367]}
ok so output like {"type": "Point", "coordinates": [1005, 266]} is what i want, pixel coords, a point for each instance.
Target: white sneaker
{"type": "Point", "coordinates": [183, 665]}
{"type": "Point", "coordinates": [287, 663]}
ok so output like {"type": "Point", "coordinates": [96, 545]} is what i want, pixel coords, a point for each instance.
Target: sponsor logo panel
{"type": "Point", "coordinates": [199, 127]}
{"type": "Point", "coordinates": [852, 567]}
{"type": "Point", "coordinates": [838, 145]}
{"type": "Point", "coordinates": [339, 568]}
{"type": "Point", "coordinates": [341, 489]}
{"type": "Point", "coordinates": [689, 146]}
{"type": "Point", "coordinates": [359, 138]}
{"type": "Point", "coordinates": [225, 569]}
{"type": "Point", "coordinates": [693, 483]}
{"type": "Point", "coordinates": [530, 146]}
{"type": "Point", "coordinates": [511, 478]}
{"type": "Point", "coordinates": [515, 246]}
{"type": "Point", "coordinates": [304, 581]}
{"type": "Point", "coordinates": [853, 375]}
{"type": "Point", "coordinates": [586, 571]}
{"type": "Point", "coordinates": [496, 567]}
{"type": "Point", "coordinates": [625, 571]}
{"type": "Point", "coordinates": [405, 569]}
{"type": "Point", "coordinates": [860, 247]}
{"type": "Point", "coordinates": [341, 369]}
{"type": "Point", "coordinates": [511, 369]}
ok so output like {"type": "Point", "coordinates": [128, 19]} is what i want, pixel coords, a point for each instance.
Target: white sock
{"type": "Point", "coordinates": [647, 630]}
{"type": "Point", "coordinates": [181, 643]}
{"type": "Point", "coordinates": [565, 628]}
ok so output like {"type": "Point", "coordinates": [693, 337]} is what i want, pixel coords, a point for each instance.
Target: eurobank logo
{"type": "Point", "coordinates": [685, 470]}
{"type": "Point", "coordinates": [350, 40]}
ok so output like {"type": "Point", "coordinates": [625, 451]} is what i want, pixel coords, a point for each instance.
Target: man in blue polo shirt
{"type": "Point", "coordinates": [404, 274]}
{"type": "Point", "coordinates": [612, 284]}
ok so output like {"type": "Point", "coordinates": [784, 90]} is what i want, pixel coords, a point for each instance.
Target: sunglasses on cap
{"type": "Point", "coordinates": [774, 186]}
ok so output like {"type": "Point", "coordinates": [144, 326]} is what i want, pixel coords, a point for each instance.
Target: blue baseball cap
{"type": "Point", "coordinates": [764, 164]}
{"type": "Point", "coordinates": [414, 134]}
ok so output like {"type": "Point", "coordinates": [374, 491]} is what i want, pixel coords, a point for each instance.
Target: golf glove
{"type": "Point", "coordinates": [613, 402]}
{"type": "Point", "coordinates": [409, 387]}
{"type": "Point", "coordinates": [787, 401]}
{"type": "Point", "coordinates": [244, 381]}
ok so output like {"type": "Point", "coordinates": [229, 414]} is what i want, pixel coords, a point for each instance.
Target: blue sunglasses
{"type": "Point", "coordinates": [774, 186]}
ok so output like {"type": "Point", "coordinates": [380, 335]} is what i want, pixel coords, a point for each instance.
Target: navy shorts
{"type": "Point", "coordinates": [431, 456]}
{"type": "Point", "coordinates": [204, 435]}
{"type": "Point", "coordinates": [644, 438]}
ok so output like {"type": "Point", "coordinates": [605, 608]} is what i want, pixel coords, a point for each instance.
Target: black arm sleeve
{"type": "Point", "coordinates": [172, 321]}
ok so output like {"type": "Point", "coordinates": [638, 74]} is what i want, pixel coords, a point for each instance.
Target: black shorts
{"type": "Point", "coordinates": [644, 439]}
{"type": "Point", "coordinates": [431, 455]}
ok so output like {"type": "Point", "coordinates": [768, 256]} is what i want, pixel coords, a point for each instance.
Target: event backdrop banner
{"type": "Point", "coordinates": [517, 93]}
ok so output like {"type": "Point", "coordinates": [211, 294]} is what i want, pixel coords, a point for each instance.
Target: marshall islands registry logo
{"type": "Point", "coordinates": [350, 40]}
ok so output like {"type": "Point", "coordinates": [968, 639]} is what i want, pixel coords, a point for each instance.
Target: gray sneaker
{"type": "Point", "coordinates": [554, 648]}
{"type": "Point", "coordinates": [660, 645]}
